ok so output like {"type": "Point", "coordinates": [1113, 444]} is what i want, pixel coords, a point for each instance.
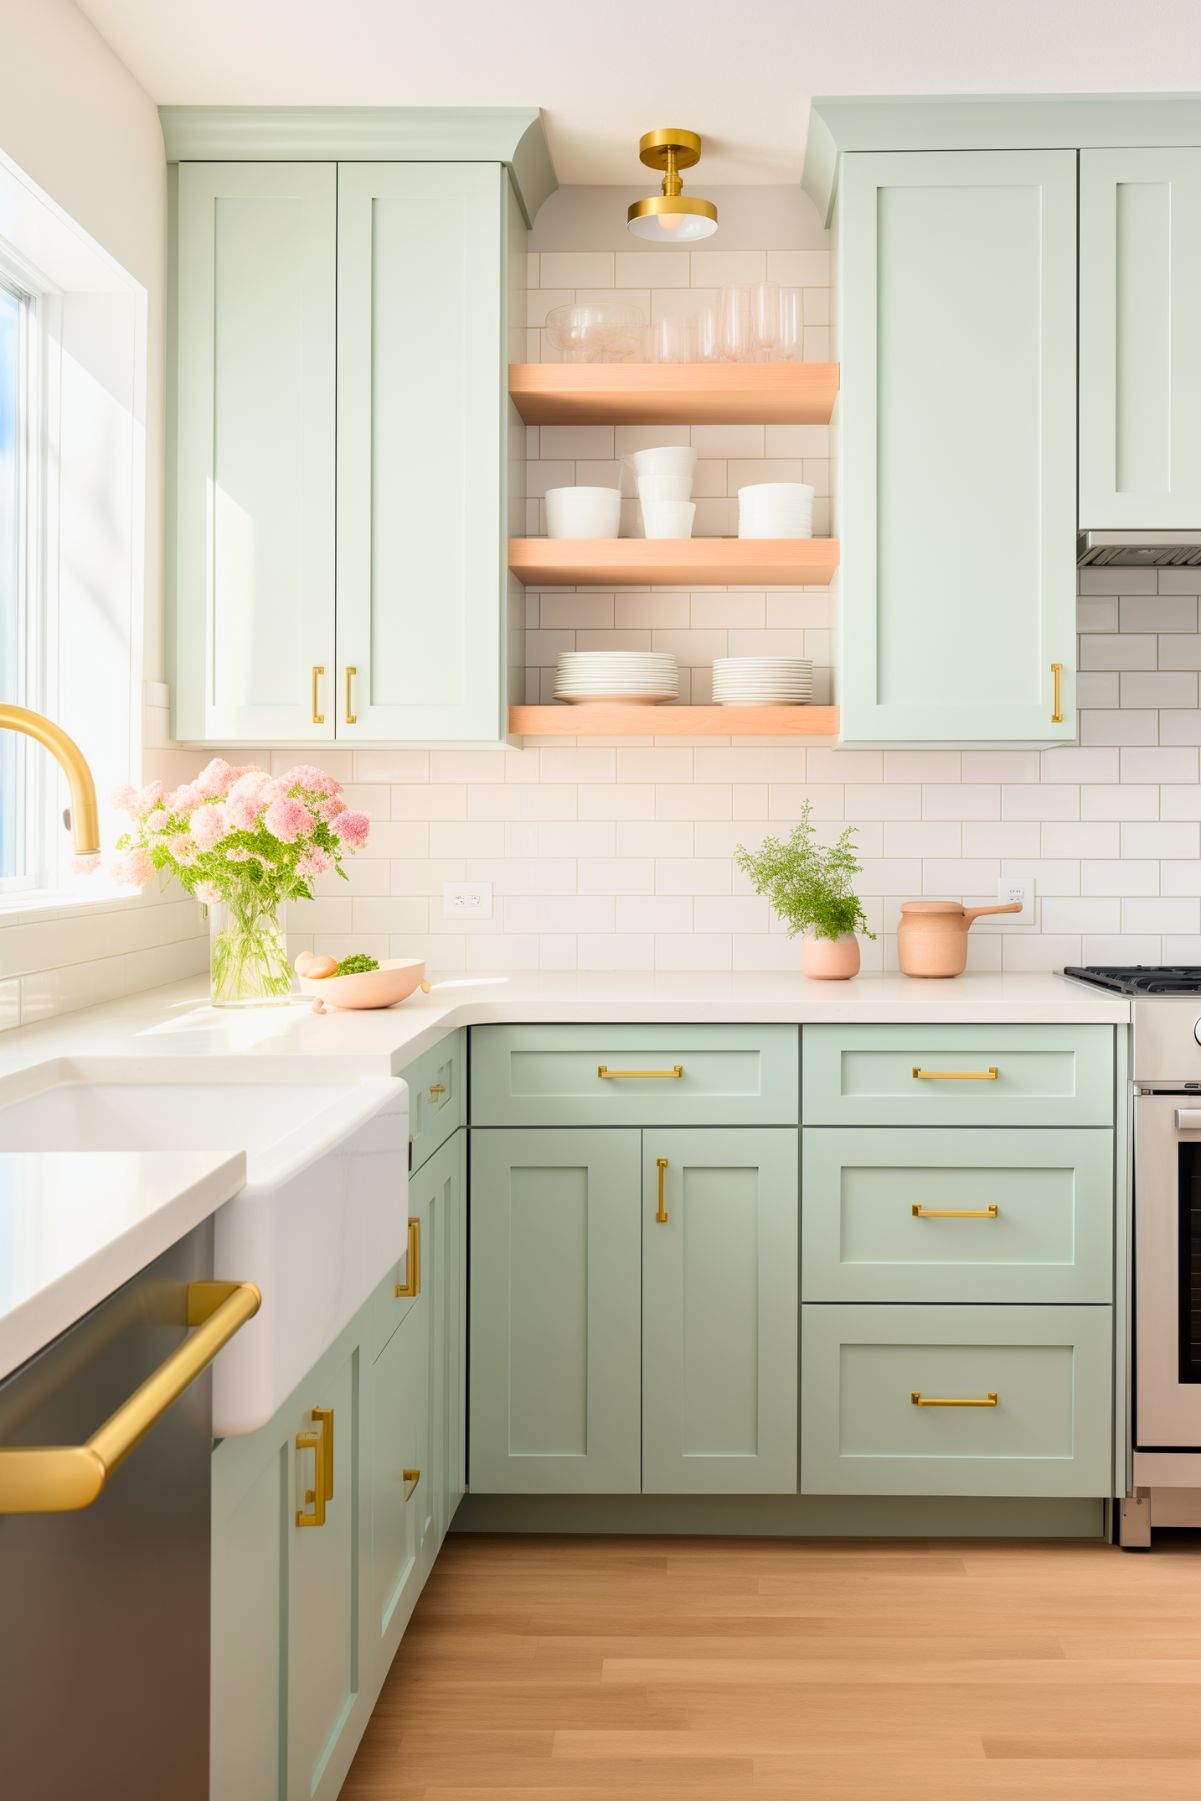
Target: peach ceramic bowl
{"type": "Point", "coordinates": [382, 987]}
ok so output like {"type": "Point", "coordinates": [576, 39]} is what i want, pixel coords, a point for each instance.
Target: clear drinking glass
{"type": "Point", "coordinates": [737, 325]}
{"type": "Point", "coordinates": [707, 347]}
{"type": "Point", "coordinates": [792, 325]}
{"type": "Point", "coordinates": [671, 339]}
{"type": "Point", "coordinates": [765, 317]}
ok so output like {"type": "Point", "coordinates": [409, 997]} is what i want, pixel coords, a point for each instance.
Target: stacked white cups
{"type": "Point", "coordinates": [775, 510]}
{"type": "Point", "coordinates": [663, 478]}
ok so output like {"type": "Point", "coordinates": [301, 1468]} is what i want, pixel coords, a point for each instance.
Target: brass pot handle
{"type": "Point", "coordinates": [62, 1478]}
{"type": "Point", "coordinates": [921, 1400]}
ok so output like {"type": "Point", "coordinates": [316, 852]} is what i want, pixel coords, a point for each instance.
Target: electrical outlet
{"type": "Point", "coordinates": [1017, 885]}
{"type": "Point", "coordinates": [466, 900]}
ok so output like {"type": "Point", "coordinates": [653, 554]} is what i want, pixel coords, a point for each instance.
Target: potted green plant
{"type": "Point", "coordinates": [809, 886]}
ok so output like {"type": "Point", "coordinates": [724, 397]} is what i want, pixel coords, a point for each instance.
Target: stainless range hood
{"type": "Point", "coordinates": [1139, 550]}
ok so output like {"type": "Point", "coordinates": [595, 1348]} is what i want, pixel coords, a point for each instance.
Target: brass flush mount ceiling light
{"type": "Point", "coordinates": [672, 217]}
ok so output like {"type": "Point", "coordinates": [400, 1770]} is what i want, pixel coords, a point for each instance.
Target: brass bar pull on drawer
{"type": "Point", "coordinates": [436, 1088]}
{"type": "Point", "coordinates": [955, 1075]}
{"type": "Point", "coordinates": [920, 1212]}
{"type": "Point", "coordinates": [921, 1400]}
{"type": "Point", "coordinates": [410, 1288]}
{"type": "Point", "coordinates": [1057, 696]}
{"type": "Point", "coordinates": [62, 1478]}
{"type": "Point", "coordinates": [661, 1215]}
{"type": "Point", "coordinates": [318, 672]}
{"type": "Point", "coordinates": [410, 1478]}
{"type": "Point", "coordinates": [639, 1075]}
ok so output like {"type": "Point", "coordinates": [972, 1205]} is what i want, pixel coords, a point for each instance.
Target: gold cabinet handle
{"type": "Point", "coordinates": [639, 1075]}
{"type": "Point", "coordinates": [1057, 698]}
{"type": "Point", "coordinates": [316, 1496]}
{"type": "Point", "coordinates": [326, 1417]}
{"type": "Point", "coordinates": [437, 1088]}
{"type": "Point", "coordinates": [318, 672]}
{"type": "Point", "coordinates": [62, 1478]}
{"type": "Point", "coordinates": [921, 1400]}
{"type": "Point", "coordinates": [661, 1215]}
{"type": "Point", "coordinates": [410, 1288]}
{"type": "Point", "coordinates": [411, 1479]}
{"type": "Point", "coordinates": [352, 718]}
{"type": "Point", "coordinates": [920, 1212]}
{"type": "Point", "coordinates": [955, 1075]}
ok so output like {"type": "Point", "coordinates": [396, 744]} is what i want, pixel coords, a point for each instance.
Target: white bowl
{"type": "Point", "coordinates": [763, 493]}
{"type": "Point", "coordinates": [583, 512]}
{"type": "Point", "coordinates": [668, 518]}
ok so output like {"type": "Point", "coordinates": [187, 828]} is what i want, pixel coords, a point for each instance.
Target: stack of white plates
{"type": "Point", "coordinates": [762, 681]}
{"type": "Point", "coordinates": [775, 510]}
{"type": "Point", "coordinates": [643, 676]}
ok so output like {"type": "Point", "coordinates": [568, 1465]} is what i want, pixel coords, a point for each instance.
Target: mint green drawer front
{"type": "Point", "coordinates": [1001, 1216]}
{"type": "Point", "coordinates": [1048, 1434]}
{"type": "Point", "coordinates": [551, 1075]}
{"type": "Point", "coordinates": [437, 1096]}
{"type": "Point", "coordinates": [1045, 1076]}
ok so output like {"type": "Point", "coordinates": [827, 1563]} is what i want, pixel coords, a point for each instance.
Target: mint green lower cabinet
{"type": "Point", "coordinates": [1050, 1369]}
{"type": "Point", "coordinates": [397, 1439]}
{"type": "Point", "coordinates": [939, 1214]}
{"type": "Point", "coordinates": [251, 1486]}
{"type": "Point", "coordinates": [555, 1311]}
{"type": "Point", "coordinates": [719, 1312]}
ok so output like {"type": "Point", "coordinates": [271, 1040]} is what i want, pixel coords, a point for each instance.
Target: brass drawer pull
{"type": "Point", "coordinates": [920, 1212]}
{"type": "Point", "coordinates": [318, 672]}
{"type": "Point", "coordinates": [955, 1075]}
{"type": "Point", "coordinates": [437, 1088]}
{"type": "Point", "coordinates": [921, 1400]}
{"type": "Point", "coordinates": [1057, 700]}
{"type": "Point", "coordinates": [320, 1444]}
{"type": "Point", "coordinates": [352, 717]}
{"type": "Point", "coordinates": [639, 1075]}
{"type": "Point", "coordinates": [62, 1478]}
{"type": "Point", "coordinates": [661, 1215]}
{"type": "Point", "coordinates": [410, 1288]}
{"type": "Point", "coordinates": [411, 1479]}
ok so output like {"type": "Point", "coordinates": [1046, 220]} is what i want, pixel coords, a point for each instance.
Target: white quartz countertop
{"type": "Point", "coordinates": [75, 1226]}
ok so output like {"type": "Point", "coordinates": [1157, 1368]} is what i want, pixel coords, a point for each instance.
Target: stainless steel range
{"type": "Point", "coordinates": [1166, 1087]}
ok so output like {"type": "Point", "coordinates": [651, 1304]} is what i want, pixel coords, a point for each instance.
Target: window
{"type": "Point", "coordinates": [19, 611]}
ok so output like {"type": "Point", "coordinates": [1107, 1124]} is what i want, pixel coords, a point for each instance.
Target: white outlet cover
{"type": "Point", "coordinates": [1016, 884]}
{"type": "Point", "coordinates": [466, 900]}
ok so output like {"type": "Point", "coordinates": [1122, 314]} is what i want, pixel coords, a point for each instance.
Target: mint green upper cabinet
{"type": "Point", "coordinates": [555, 1312]}
{"type": "Point", "coordinates": [719, 1311]}
{"type": "Point", "coordinates": [421, 563]}
{"type": "Point", "coordinates": [956, 475]}
{"type": "Point", "coordinates": [253, 612]}
{"type": "Point", "coordinates": [1140, 338]}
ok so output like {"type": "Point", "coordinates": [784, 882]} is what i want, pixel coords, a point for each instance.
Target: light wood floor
{"type": "Point", "coordinates": [569, 1669]}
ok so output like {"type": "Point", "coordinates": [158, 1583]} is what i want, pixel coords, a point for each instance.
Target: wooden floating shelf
{"type": "Point", "coordinates": [612, 719]}
{"type": "Point", "coordinates": [673, 562]}
{"type": "Point", "coordinates": [674, 393]}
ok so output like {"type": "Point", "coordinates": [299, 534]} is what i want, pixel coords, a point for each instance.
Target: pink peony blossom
{"type": "Point", "coordinates": [185, 799]}
{"type": "Point", "coordinates": [183, 848]}
{"type": "Point", "coordinates": [241, 815]}
{"type": "Point", "coordinates": [273, 788]}
{"type": "Point", "coordinates": [315, 861]}
{"type": "Point", "coordinates": [208, 825]}
{"type": "Point", "coordinates": [157, 821]}
{"type": "Point", "coordinates": [304, 775]}
{"type": "Point", "coordinates": [353, 829]}
{"type": "Point", "coordinates": [150, 797]}
{"type": "Point", "coordinates": [330, 809]}
{"type": "Point", "coordinates": [208, 892]}
{"type": "Point", "coordinates": [133, 870]}
{"type": "Point", "coordinates": [125, 799]}
{"type": "Point", "coordinates": [288, 820]}
{"type": "Point", "coordinates": [215, 779]}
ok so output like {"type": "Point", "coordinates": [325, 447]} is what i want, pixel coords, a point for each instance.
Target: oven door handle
{"type": "Point", "coordinates": [1188, 1119]}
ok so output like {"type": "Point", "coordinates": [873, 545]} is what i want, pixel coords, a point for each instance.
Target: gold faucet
{"type": "Point", "coordinates": [85, 819]}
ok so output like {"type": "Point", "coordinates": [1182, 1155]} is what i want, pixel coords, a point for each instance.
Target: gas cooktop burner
{"type": "Point", "coordinates": [1141, 980]}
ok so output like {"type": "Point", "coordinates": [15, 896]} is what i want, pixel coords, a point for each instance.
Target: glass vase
{"type": "Point", "coordinates": [248, 953]}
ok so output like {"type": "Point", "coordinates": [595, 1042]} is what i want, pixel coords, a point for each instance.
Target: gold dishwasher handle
{"type": "Point", "coordinates": [639, 1075]}
{"type": "Point", "coordinates": [661, 1215]}
{"type": "Point", "coordinates": [921, 1400]}
{"type": "Point", "coordinates": [920, 1212]}
{"type": "Point", "coordinates": [410, 1288]}
{"type": "Point", "coordinates": [63, 1478]}
{"type": "Point", "coordinates": [955, 1075]}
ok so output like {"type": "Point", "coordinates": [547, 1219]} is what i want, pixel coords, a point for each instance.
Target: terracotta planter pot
{"type": "Point", "coordinates": [830, 959]}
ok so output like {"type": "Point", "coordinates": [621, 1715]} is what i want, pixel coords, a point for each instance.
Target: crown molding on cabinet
{"type": "Point", "coordinates": [513, 135]}
{"type": "Point", "coordinates": [990, 122]}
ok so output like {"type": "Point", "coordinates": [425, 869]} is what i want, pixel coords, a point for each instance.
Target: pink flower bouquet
{"type": "Point", "coordinates": [243, 842]}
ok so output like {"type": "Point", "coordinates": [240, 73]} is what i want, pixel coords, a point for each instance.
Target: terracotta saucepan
{"type": "Point", "coordinates": [932, 935]}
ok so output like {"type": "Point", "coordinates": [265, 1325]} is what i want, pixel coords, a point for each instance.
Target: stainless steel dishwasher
{"type": "Point", "coordinates": [104, 1542]}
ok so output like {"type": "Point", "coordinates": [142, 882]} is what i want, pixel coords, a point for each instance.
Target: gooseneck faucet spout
{"type": "Point", "coordinates": [85, 818]}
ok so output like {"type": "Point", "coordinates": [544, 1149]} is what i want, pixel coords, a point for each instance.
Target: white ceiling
{"type": "Point", "coordinates": [739, 71]}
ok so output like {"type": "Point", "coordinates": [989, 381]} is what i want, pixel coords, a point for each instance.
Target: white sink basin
{"type": "Point", "coordinates": [323, 1215]}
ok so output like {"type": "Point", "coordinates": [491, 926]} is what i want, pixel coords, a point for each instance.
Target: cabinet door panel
{"type": "Point", "coordinates": [957, 480]}
{"type": "Point", "coordinates": [719, 1312]}
{"type": "Point", "coordinates": [254, 571]}
{"type": "Point", "coordinates": [250, 1499]}
{"type": "Point", "coordinates": [399, 1441]}
{"type": "Point", "coordinates": [420, 532]}
{"type": "Point", "coordinates": [1140, 350]}
{"type": "Point", "coordinates": [555, 1303]}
